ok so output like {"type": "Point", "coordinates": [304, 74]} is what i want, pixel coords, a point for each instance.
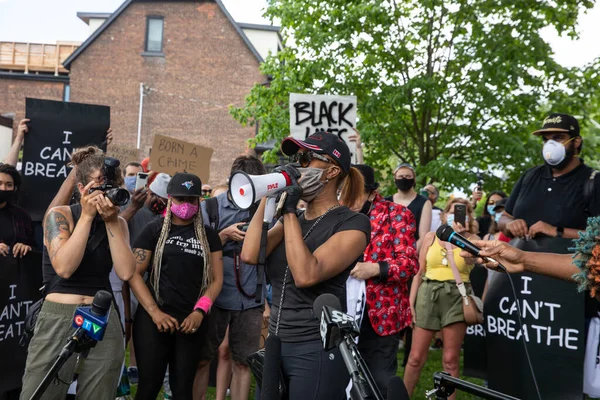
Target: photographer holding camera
{"type": "Point", "coordinates": [81, 243]}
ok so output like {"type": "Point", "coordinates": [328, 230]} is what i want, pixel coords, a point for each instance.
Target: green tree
{"type": "Point", "coordinates": [451, 86]}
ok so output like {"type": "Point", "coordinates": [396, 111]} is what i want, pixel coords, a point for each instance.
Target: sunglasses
{"type": "Point", "coordinates": [304, 158]}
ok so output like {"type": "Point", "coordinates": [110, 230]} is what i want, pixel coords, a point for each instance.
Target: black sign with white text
{"type": "Point", "coordinates": [552, 312]}
{"type": "Point", "coordinates": [55, 129]}
{"type": "Point", "coordinates": [20, 280]}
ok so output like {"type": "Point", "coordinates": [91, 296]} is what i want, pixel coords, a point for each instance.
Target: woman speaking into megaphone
{"type": "Point", "coordinates": [311, 253]}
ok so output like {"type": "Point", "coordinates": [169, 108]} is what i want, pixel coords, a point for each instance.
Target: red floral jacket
{"type": "Point", "coordinates": [394, 248]}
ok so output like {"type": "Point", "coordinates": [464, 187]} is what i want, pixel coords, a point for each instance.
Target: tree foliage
{"type": "Point", "coordinates": [451, 86]}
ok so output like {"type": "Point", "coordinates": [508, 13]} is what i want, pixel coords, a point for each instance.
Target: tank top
{"type": "Point", "coordinates": [92, 274]}
{"type": "Point", "coordinates": [437, 271]}
{"type": "Point", "coordinates": [415, 207]}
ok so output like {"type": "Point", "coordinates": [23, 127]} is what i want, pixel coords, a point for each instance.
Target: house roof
{"type": "Point", "coordinates": [127, 3]}
{"type": "Point", "coordinates": [86, 16]}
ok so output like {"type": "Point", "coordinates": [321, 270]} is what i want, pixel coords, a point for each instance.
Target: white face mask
{"type": "Point", "coordinates": [554, 152]}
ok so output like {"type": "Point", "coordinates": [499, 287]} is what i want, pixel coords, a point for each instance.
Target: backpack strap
{"type": "Point", "coordinates": [588, 190]}
{"type": "Point", "coordinates": [212, 209]}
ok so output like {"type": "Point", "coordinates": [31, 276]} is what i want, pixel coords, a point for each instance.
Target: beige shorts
{"type": "Point", "coordinates": [439, 304]}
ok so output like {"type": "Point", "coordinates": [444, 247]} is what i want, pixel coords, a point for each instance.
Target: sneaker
{"type": "Point", "coordinates": [167, 386]}
{"type": "Point", "coordinates": [132, 374]}
{"type": "Point", "coordinates": [167, 396]}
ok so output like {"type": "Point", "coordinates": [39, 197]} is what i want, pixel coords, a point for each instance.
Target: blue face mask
{"type": "Point", "coordinates": [498, 216]}
{"type": "Point", "coordinates": [130, 183]}
{"type": "Point", "coordinates": [450, 219]}
{"type": "Point", "coordinates": [490, 209]}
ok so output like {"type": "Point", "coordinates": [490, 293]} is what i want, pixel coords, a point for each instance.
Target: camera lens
{"type": "Point", "coordinates": [118, 196]}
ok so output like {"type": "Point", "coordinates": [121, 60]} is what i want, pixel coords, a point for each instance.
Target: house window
{"type": "Point", "coordinates": [67, 92]}
{"type": "Point", "coordinates": [154, 34]}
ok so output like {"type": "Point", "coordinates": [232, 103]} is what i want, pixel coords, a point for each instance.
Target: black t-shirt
{"type": "Point", "coordinates": [182, 266]}
{"type": "Point", "coordinates": [298, 322]}
{"type": "Point", "coordinates": [15, 226]}
{"type": "Point", "coordinates": [538, 196]}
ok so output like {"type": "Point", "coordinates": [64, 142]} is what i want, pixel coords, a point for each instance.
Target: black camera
{"type": "Point", "coordinates": [118, 196]}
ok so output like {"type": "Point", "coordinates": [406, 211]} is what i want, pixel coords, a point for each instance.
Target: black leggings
{"type": "Point", "coordinates": [311, 373]}
{"type": "Point", "coordinates": [155, 350]}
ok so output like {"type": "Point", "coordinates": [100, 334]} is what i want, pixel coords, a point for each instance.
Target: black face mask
{"type": "Point", "coordinates": [157, 206]}
{"type": "Point", "coordinates": [404, 184]}
{"type": "Point", "coordinates": [7, 196]}
{"type": "Point", "coordinates": [366, 207]}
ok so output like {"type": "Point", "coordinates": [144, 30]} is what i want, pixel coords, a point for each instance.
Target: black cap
{"type": "Point", "coordinates": [369, 175]}
{"type": "Point", "coordinates": [559, 123]}
{"type": "Point", "coordinates": [500, 203]}
{"type": "Point", "coordinates": [184, 184]}
{"type": "Point", "coordinates": [320, 143]}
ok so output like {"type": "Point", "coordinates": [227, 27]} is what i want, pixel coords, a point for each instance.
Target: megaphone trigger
{"type": "Point", "coordinates": [280, 204]}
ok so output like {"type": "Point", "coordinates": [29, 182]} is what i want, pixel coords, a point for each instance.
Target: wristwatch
{"type": "Point", "coordinates": [560, 231]}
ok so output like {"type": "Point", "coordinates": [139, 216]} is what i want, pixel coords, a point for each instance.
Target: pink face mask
{"type": "Point", "coordinates": [184, 211]}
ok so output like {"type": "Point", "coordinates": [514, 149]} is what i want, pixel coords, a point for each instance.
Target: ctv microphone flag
{"type": "Point", "coordinates": [93, 319]}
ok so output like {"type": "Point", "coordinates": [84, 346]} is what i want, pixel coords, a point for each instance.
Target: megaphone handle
{"type": "Point", "coordinates": [270, 209]}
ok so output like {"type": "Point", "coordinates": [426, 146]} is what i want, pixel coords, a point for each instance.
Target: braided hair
{"type": "Point", "coordinates": [200, 234]}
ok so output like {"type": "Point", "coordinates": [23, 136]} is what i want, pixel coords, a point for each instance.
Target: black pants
{"type": "Point", "coordinates": [155, 350]}
{"type": "Point", "coordinates": [380, 354]}
{"type": "Point", "coordinates": [311, 373]}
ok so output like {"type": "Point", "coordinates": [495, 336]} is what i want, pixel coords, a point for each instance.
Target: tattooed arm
{"type": "Point", "coordinates": [65, 244]}
{"type": "Point", "coordinates": [139, 287]}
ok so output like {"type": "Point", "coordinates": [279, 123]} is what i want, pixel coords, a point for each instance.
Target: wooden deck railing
{"type": "Point", "coordinates": [35, 57]}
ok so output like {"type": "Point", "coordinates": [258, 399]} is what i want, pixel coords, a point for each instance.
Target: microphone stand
{"type": "Point", "coordinates": [444, 386]}
{"type": "Point", "coordinates": [78, 343]}
{"type": "Point", "coordinates": [363, 383]}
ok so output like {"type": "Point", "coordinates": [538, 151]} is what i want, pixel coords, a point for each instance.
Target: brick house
{"type": "Point", "coordinates": [189, 60]}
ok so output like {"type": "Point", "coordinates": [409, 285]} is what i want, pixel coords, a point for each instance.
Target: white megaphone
{"type": "Point", "coordinates": [247, 189]}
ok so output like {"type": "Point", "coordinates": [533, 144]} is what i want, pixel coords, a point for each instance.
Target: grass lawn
{"type": "Point", "coordinates": [434, 364]}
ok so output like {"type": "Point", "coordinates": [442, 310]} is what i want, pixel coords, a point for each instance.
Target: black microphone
{"type": "Point", "coordinates": [339, 330]}
{"type": "Point", "coordinates": [396, 389]}
{"type": "Point", "coordinates": [446, 234]}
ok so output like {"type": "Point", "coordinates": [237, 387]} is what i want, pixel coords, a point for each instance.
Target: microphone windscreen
{"type": "Point", "coordinates": [396, 389]}
{"type": "Point", "coordinates": [326, 299]}
{"type": "Point", "coordinates": [443, 232]}
{"type": "Point", "coordinates": [101, 303]}
{"type": "Point", "coordinates": [271, 373]}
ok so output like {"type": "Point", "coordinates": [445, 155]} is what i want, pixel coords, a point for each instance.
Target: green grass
{"type": "Point", "coordinates": [434, 364]}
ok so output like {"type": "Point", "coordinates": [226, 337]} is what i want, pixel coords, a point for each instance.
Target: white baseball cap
{"type": "Point", "coordinates": [159, 185]}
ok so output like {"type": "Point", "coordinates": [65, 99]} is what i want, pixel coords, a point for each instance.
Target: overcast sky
{"type": "Point", "coordinates": [46, 21]}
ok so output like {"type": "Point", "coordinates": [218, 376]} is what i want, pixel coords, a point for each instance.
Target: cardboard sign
{"type": "Point", "coordinates": [55, 129]}
{"type": "Point", "coordinates": [124, 154]}
{"type": "Point", "coordinates": [553, 327]}
{"type": "Point", "coordinates": [172, 155]}
{"type": "Point", "coordinates": [20, 280]}
{"type": "Point", "coordinates": [317, 113]}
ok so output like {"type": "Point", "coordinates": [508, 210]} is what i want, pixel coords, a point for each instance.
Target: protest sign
{"type": "Point", "coordinates": [55, 129]}
{"type": "Point", "coordinates": [20, 280]}
{"type": "Point", "coordinates": [552, 312]}
{"type": "Point", "coordinates": [171, 155]}
{"type": "Point", "coordinates": [474, 357]}
{"type": "Point", "coordinates": [124, 154]}
{"type": "Point", "coordinates": [317, 113]}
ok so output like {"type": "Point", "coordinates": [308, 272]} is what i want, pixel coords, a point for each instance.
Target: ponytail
{"type": "Point", "coordinates": [353, 186]}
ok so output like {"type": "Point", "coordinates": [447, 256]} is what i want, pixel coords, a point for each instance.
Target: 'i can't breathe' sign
{"type": "Point", "coordinates": [55, 129]}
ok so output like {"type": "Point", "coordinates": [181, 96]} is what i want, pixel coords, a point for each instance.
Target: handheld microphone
{"type": "Point", "coordinates": [446, 234]}
{"type": "Point", "coordinates": [92, 320]}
